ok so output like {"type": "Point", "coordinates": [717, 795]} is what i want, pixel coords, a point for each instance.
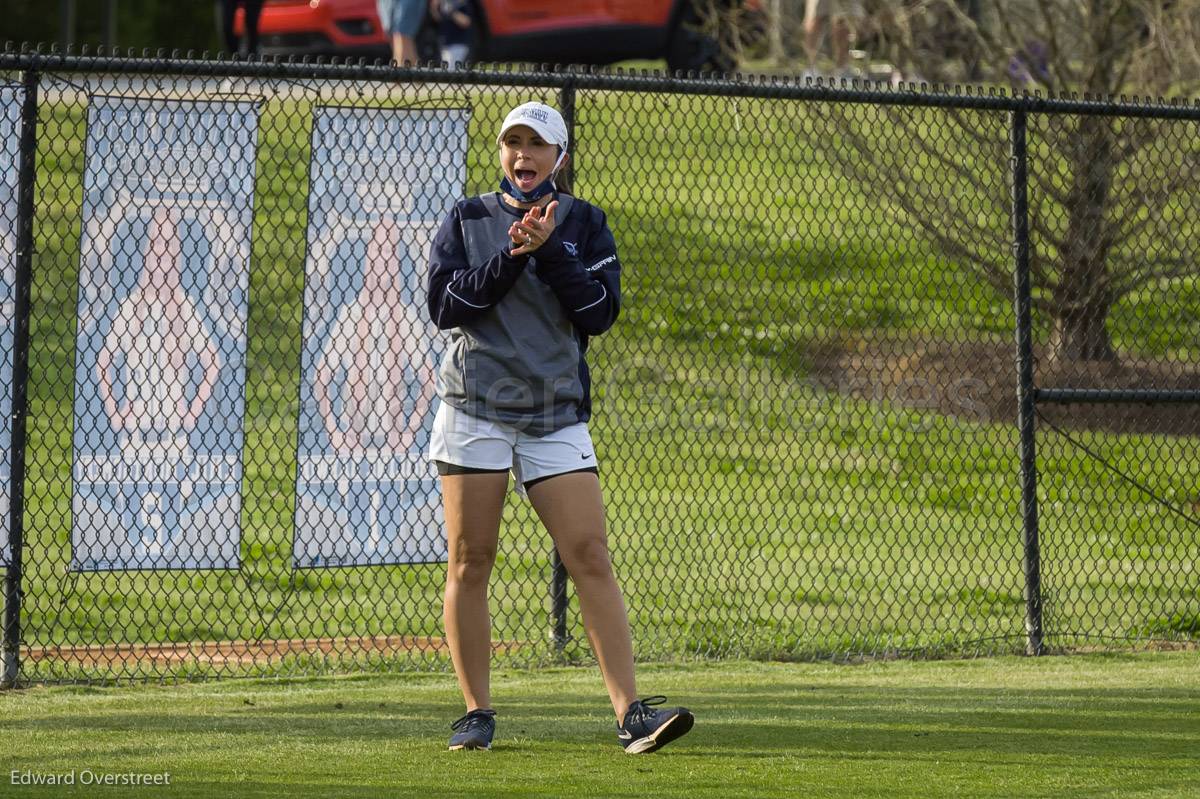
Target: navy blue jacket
{"type": "Point", "coordinates": [519, 325]}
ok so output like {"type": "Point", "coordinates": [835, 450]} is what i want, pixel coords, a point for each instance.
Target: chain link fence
{"type": "Point", "coordinates": [897, 373]}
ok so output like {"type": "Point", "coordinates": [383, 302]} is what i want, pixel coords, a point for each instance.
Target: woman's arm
{"type": "Point", "coordinates": [458, 291]}
{"type": "Point", "coordinates": [588, 286]}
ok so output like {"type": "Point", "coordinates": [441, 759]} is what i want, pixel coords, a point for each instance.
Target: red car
{"type": "Point", "coordinates": [319, 27]}
{"type": "Point", "coordinates": [550, 31]}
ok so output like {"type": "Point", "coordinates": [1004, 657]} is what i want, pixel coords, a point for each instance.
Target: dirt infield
{"type": "Point", "coordinates": [977, 382]}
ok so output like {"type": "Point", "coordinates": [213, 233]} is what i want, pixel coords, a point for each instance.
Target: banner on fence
{"type": "Point", "coordinates": [381, 181]}
{"type": "Point", "coordinates": [160, 351]}
{"type": "Point", "coordinates": [11, 100]}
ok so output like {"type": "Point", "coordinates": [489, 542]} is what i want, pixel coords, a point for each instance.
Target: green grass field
{"type": "Point", "coordinates": [1089, 725]}
{"type": "Point", "coordinates": [751, 512]}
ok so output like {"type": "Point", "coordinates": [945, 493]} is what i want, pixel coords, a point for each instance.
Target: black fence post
{"type": "Point", "coordinates": [24, 273]}
{"type": "Point", "coordinates": [558, 579]}
{"type": "Point", "coordinates": [1022, 300]}
{"type": "Point", "coordinates": [558, 596]}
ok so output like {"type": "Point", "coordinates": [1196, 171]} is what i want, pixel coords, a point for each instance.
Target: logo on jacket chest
{"type": "Point", "coordinates": [571, 247]}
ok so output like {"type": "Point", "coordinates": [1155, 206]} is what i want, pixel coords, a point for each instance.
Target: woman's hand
{"type": "Point", "coordinates": [534, 228]}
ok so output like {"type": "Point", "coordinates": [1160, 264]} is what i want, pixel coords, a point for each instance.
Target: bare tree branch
{"type": "Point", "coordinates": [1169, 269]}
{"type": "Point", "coordinates": [1136, 227]}
{"type": "Point", "coordinates": [1064, 73]}
{"type": "Point", "coordinates": [1101, 191]}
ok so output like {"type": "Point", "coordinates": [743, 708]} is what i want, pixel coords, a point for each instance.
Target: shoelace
{"type": "Point", "coordinates": [474, 719]}
{"type": "Point", "coordinates": [641, 711]}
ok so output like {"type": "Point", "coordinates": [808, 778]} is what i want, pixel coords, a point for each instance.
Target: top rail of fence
{"type": "Point", "coordinates": [963, 96]}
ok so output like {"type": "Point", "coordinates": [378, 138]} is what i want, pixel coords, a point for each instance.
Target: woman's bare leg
{"type": "Point", "coordinates": [473, 503]}
{"type": "Point", "coordinates": [571, 507]}
{"type": "Point", "coordinates": [404, 52]}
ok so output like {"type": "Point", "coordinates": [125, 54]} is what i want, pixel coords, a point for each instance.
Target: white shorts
{"type": "Point", "coordinates": [455, 54]}
{"type": "Point", "coordinates": [461, 439]}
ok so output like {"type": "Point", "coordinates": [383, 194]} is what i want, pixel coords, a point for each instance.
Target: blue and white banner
{"type": "Point", "coordinates": [381, 182]}
{"type": "Point", "coordinates": [160, 353]}
{"type": "Point", "coordinates": [11, 100]}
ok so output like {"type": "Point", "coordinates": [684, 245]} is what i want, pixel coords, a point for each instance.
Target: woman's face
{"type": "Point", "coordinates": [525, 158]}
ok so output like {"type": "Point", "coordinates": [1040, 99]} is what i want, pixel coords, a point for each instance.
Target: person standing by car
{"type": "Point", "coordinates": [225, 12]}
{"type": "Point", "coordinates": [454, 29]}
{"type": "Point", "coordinates": [401, 19]}
{"type": "Point", "coordinates": [841, 17]}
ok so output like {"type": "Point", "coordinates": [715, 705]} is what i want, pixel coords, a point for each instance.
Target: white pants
{"type": "Point", "coordinates": [461, 439]}
{"type": "Point", "coordinates": [455, 54]}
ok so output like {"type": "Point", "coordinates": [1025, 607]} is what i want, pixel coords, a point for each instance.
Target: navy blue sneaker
{"type": "Point", "coordinates": [646, 729]}
{"type": "Point", "coordinates": [474, 730]}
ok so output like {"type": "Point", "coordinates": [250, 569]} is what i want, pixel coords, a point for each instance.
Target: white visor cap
{"type": "Point", "coordinates": [544, 120]}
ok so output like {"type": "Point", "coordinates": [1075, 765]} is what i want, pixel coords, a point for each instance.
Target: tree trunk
{"type": "Point", "coordinates": [775, 33]}
{"type": "Point", "coordinates": [1082, 336]}
{"type": "Point", "coordinates": [1081, 297]}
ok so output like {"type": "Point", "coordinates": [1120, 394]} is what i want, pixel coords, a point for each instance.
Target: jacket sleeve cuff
{"type": "Point", "coordinates": [552, 250]}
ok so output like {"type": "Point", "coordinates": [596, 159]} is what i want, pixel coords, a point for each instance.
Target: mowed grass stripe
{"type": "Point", "coordinates": [1081, 726]}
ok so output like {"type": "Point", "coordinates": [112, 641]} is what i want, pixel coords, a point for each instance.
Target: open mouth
{"type": "Point", "coordinates": [525, 177]}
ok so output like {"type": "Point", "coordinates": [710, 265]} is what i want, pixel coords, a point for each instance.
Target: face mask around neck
{"type": "Point", "coordinates": [537, 192]}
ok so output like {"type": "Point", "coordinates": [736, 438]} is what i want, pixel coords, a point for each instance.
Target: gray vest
{"type": "Point", "coordinates": [517, 363]}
